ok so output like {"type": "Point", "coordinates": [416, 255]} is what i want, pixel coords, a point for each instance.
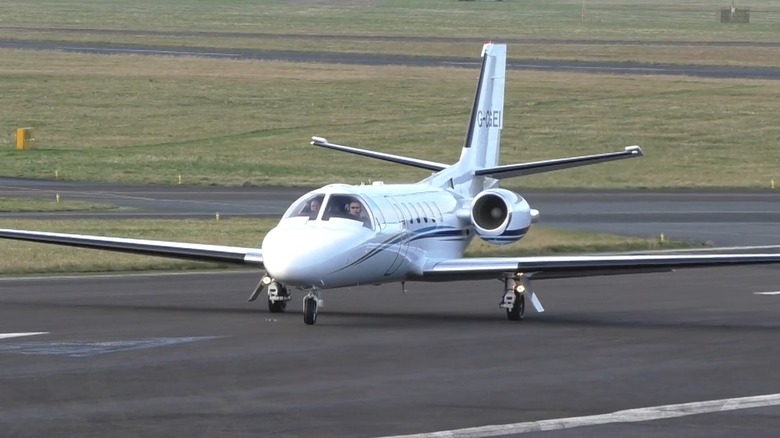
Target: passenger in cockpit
{"type": "Point", "coordinates": [312, 207]}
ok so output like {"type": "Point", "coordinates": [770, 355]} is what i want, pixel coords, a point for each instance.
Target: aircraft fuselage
{"type": "Point", "coordinates": [403, 226]}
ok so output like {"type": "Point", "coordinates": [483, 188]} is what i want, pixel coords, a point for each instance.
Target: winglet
{"type": "Point", "coordinates": [636, 150]}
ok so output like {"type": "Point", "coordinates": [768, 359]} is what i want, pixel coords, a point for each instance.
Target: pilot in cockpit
{"type": "Point", "coordinates": [355, 211]}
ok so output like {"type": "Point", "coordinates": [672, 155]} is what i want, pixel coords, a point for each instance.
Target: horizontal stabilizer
{"type": "Point", "coordinates": [423, 164]}
{"type": "Point", "coordinates": [513, 170]}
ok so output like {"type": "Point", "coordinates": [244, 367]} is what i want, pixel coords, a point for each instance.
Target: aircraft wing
{"type": "Point", "coordinates": [178, 250]}
{"type": "Point", "coordinates": [543, 267]}
{"type": "Point", "coordinates": [513, 170]}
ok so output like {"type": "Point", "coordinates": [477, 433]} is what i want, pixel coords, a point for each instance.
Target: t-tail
{"type": "Point", "coordinates": [477, 169]}
{"type": "Point", "coordinates": [483, 139]}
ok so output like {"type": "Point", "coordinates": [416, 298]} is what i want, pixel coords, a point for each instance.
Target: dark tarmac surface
{"type": "Point", "coordinates": [710, 71]}
{"type": "Point", "coordinates": [724, 218]}
{"type": "Point", "coordinates": [187, 355]}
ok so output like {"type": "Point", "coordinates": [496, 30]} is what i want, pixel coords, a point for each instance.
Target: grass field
{"type": "Point", "coordinates": [150, 119]}
{"type": "Point", "coordinates": [652, 19]}
{"type": "Point", "coordinates": [228, 122]}
{"type": "Point", "coordinates": [55, 204]}
{"type": "Point", "coordinates": [618, 30]}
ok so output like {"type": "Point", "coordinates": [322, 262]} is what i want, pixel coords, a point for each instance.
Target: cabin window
{"type": "Point", "coordinates": [408, 212]}
{"type": "Point", "coordinates": [417, 211]}
{"type": "Point", "coordinates": [428, 212]}
{"type": "Point", "coordinates": [435, 209]}
{"type": "Point", "coordinates": [398, 212]}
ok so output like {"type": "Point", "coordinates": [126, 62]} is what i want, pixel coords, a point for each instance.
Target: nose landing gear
{"type": "Point", "coordinates": [278, 296]}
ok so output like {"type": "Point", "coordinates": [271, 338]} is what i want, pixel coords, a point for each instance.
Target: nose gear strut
{"type": "Point", "coordinates": [278, 296]}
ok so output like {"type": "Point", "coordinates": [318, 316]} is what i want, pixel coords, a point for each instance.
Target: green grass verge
{"type": "Point", "coordinates": [609, 19]}
{"type": "Point", "coordinates": [36, 258]}
{"type": "Point", "coordinates": [542, 29]}
{"type": "Point", "coordinates": [224, 122]}
{"type": "Point", "coordinates": [22, 205]}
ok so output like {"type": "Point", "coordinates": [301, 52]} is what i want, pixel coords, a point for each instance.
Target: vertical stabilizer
{"type": "Point", "coordinates": [481, 147]}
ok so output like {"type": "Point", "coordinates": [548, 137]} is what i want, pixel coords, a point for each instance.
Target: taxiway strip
{"type": "Point", "coordinates": [380, 362]}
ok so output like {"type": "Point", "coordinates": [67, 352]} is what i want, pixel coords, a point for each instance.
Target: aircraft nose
{"type": "Point", "coordinates": [300, 256]}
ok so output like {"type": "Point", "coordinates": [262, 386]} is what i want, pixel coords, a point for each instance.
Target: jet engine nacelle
{"type": "Point", "coordinates": [500, 216]}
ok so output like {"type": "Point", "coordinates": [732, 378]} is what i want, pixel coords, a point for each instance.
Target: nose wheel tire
{"type": "Point", "coordinates": [309, 310]}
{"type": "Point", "coordinates": [517, 311]}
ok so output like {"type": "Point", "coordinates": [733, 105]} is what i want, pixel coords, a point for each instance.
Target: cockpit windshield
{"type": "Point", "coordinates": [308, 206]}
{"type": "Point", "coordinates": [344, 206]}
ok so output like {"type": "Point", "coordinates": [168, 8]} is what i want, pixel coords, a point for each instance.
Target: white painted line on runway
{"type": "Point", "coordinates": [767, 293]}
{"type": "Point", "coordinates": [626, 416]}
{"type": "Point", "coordinates": [94, 348]}
{"type": "Point", "coordinates": [152, 51]}
{"type": "Point", "coordinates": [18, 335]}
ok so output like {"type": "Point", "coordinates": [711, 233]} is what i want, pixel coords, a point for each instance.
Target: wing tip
{"type": "Point", "coordinates": [635, 150]}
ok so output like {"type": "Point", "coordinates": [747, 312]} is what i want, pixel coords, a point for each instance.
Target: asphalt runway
{"type": "Point", "coordinates": [513, 63]}
{"type": "Point", "coordinates": [722, 218]}
{"type": "Point", "coordinates": [185, 354]}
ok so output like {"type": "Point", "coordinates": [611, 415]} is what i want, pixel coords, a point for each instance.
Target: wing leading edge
{"type": "Point", "coordinates": [582, 266]}
{"type": "Point", "coordinates": [187, 251]}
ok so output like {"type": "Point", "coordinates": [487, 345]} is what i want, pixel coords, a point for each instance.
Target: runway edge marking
{"type": "Point", "coordinates": [625, 416]}
{"type": "Point", "coordinates": [18, 335]}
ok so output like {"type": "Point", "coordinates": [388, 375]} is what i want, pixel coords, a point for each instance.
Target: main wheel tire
{"type": "Point", "coordinates": [517, 311]}
{"type": "Point", "coordinates": [277, 306]}
{"type": "Point", "coordinates": [309, 311]}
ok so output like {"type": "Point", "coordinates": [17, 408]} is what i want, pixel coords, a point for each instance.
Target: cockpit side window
{"type": "Point", "coordinates": [347, 207]}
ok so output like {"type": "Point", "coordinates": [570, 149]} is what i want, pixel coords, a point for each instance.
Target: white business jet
{"type": "Point", "coordinates": [344, 235]}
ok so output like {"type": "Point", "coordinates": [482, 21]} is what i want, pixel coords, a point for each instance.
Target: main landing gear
{"type": "Point", "coordinates": [311, 304]}
{"type": "Point", "coordinates": [515, 289]}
